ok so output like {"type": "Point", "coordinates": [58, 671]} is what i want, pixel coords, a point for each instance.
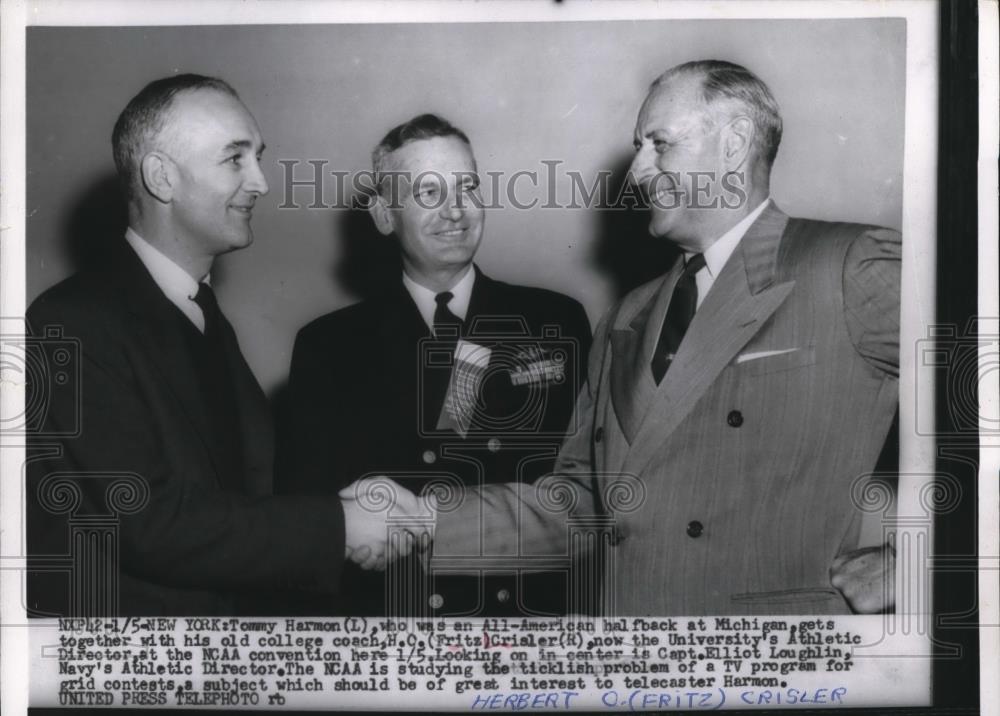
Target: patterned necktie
{"type": "Point", "coordinates": [679, 314]}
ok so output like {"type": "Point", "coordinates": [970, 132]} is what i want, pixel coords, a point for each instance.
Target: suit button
{"type": "Point", "coordinates": [599, 434]}
{"type": "Point", "coordinates": [436, 601]}
{"type": "Point", "coordinates": [493, 445]}
{"type": "Point", "coordinates": [695, 528]}
{"type": "Point", "coordinates": [429, 457]}
{"type": "Point", "coordinates": [503, 596]}
{"type": "Point", "coordinates": [735, 418]}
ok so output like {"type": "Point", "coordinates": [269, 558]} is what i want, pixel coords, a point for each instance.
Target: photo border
{"type": "Point", "coordinates": [956, 682]}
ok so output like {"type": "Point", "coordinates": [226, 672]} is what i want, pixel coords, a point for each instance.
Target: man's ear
{"type": "Point", "coordinates": [379, 211]}
{"type": "Point", "coordinates": [737, 139]}
{"type": "Point", "coordinates": [159, 176]}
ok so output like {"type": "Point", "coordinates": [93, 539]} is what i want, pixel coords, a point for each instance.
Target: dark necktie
{"type": "Point", "coordinates": [447, 326]}
{"type": "Point", "coordinates": [218, 389]}
{"type": "Point", "coordinates": [679, 314]}
{"type": "Point", "coordinates": [205, 298]}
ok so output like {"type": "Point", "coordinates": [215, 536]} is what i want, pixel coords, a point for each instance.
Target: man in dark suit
{"type": "Point", "coordinates": [149, 488]}
{"type": "Point", "coordinates": [450, 378]}
{"type": "Point", "coordinates": [733, 405]}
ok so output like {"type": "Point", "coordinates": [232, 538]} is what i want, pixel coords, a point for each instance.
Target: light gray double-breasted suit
{"type": "Point", "coordinates": [730, 482]}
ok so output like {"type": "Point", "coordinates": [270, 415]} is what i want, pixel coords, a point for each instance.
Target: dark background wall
{"type": "Point", "coordinates": [523, 92]}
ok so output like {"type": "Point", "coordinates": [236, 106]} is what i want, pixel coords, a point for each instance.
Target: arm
{"type": "Point", "coordinates": [871, 297]}
{"type": "Point", "coordinates": [307, 422]}
{"type": "Point", "coordinates": [866, 576]}
{"type": "Point", "coordinates": [314, 454]}
{"type": "Point", "coordinates": [516, 518]}
{"type": "Point", "coordinates": [191, 533]}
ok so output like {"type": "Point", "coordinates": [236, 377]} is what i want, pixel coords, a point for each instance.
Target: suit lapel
{"type": "Point", "coordinates": [159, 327]}
{"type": "Point", "coordinates": [408, 389]}
{"type": "Point", "coordinates": [482, 298]}
{"type": "Point", "coordinates": [632, 385]}
{"type": "Point", "coordinates": [742, 299]}
{"type": "Point", "coordinates": [255, 424]}
{"type": "Point", "coordinates": [496, 392]}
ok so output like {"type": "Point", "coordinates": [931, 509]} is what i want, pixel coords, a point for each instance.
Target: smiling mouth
{"type": "Point", "coordinates": [451, 232]}
{"type": "Point", "coordinates": [666, 194]}
{"type": "Point", "coordinates": [247, 210]}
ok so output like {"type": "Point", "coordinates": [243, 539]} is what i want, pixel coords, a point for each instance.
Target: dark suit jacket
{"type": "Point", "coordinates": [365, 392]}
{"type": "Point", "coordinates": [126, 508]}
{"type": "Point", "coordinates": [734, 482]}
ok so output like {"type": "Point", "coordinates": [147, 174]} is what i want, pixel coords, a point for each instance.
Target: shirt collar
{"type": "Point", "coordinates": [718, 253]}
{"type": "Point", "coordinates": [424, 297]}
{"type": "Point", "coordinates": [176, 283]}
{"type": "Point", "coordinates": [171, 278]}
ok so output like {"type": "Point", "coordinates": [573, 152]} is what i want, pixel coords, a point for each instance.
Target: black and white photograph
{"type": "Point", "coordinates": [479, 356]}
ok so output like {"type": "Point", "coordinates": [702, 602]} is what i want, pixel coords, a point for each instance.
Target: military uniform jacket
{"type": "Point", "coordinates": [366, 393]}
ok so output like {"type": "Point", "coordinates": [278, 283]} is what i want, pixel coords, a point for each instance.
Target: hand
{"type": "Point", "coordinates": [423, 532]}
{"type": "Point", "coordinates": [364, 536]}
{"type": "Point", "coordinates": [369, 505]}
{"type": "Point", "coordinates": [866, 578]}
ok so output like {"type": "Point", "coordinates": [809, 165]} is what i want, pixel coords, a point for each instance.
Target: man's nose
{"type": "Point", "coordinates": [640, 168]}
{"type": "Point", "coordinates": [255, 181]}
{"type": "Point", "coordinates": [453, 206]}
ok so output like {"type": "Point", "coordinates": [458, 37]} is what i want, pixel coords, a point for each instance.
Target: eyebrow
{"type": "Point", "coordinates": [637, 138]}
{"type": "Point", "coordinates": [242, 144]}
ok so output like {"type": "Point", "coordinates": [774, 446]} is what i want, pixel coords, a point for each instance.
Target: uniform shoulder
{"type": "Point", "coordinates": [533, 299]}
{"type": "Point", "coordinates": [350, 320]}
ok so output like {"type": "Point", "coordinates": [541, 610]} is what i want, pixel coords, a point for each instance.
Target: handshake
{"type": "Point", "coordinates": [384, 521]}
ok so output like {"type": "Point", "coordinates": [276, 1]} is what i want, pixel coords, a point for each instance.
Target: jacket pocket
{"type": "Point", "coordinates": [788, 596]}
{"type": "Point", "coordinates": [747, 363]}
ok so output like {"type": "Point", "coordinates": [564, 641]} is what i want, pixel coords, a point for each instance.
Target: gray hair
{"type": "Point", "coordinates": [424, 126]}
{"type": "Point", "coordinates": [728, 89]}
{"type": "Point", "coordinates": [145, 116]}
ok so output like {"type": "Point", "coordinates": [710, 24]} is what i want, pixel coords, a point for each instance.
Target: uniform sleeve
{"type": "Point", "coordinates": [871, 297]}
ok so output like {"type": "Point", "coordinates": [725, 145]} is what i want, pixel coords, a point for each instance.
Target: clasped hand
{"type": "Point", "coordinates": [385, 521]}
{"type": "Point", "coordinates": [866, 578]}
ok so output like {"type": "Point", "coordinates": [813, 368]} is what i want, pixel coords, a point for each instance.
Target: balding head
{"type": "Point", "coordinates": [146, 117]}
{"type": "Point", "coordinates": [727, 90]}
{"type": "Point", "coordinates": [705, 138]}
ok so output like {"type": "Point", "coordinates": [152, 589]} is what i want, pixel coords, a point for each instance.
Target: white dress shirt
{"type": "Point", "coordinates": [176, 283]}
{"type": "Point", "coordinates": [718, 253]}
{"type": "Point", "coordinates": [424, 297]}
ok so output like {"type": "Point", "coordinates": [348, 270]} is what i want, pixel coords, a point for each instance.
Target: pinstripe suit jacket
{"type": "Point", "coordinates": [729, 484]}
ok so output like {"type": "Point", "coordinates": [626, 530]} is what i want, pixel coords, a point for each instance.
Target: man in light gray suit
{"type": "Point", "coordinates": [738, 397]}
